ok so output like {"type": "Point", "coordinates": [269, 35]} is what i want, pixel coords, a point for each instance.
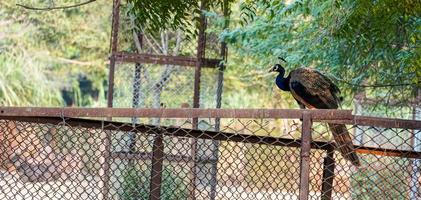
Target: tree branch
{"type": "Point", "coordinates": [55, 8]}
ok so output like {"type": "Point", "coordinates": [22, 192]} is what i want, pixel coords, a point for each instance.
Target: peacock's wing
{"type": "Point", "coordinates": [313, 89]}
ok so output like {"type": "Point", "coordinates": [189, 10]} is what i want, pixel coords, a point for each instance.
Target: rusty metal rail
{"type": "Point", "coordinates": [213, 135]}
{"type": "Point", "coordinates": [326, 115]}
{"type": "Point", "coordinates": [124, 57]}
{"type": "Point", "coordinates": [173, 113]}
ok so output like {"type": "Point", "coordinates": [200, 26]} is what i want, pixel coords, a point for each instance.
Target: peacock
{"type": "Point", "coordinates": [313, 90]}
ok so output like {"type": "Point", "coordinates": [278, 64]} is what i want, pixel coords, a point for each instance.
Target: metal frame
{"type": "Point", "coordinates": [198, 62]}
{"type": "Point", "coordinates": [218, 135]}
{"type": "Point", "coordinates": [62, 115]}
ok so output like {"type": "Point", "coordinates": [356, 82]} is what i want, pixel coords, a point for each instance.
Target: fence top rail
{"type": "Point", "coordinates": [325, 114]}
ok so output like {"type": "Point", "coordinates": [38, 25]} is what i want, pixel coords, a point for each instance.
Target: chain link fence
{"type": "Point", "coordinates": [251, 156]}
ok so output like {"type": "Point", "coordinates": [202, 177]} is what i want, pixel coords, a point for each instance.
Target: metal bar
{"type": "Point", "coordinates": [135, 104]}
{"type": "Point", "coordinates": [175, 113]}
{"type": "Point", "coordinates": [379, 122]}
{"type": "Point", "coordinates": [387, 152]}
{"type": "Point", "coordinates": [114, 43]}
{"type": "Point", "coordinates": [219, 87]}
{"type": "Point", "coordinates": [105, 165]}
{"type": "Point", "coordinates": [193, 171]}
{"type": "Point", "coordinates": [305, 156]}
{"type": "Point", "coordinates": [328, 175]}
{"type": "Point", "coordinates": [167, 157]}
{"type": "Point", "coordinates": [124, 57]}
{"type": "Point", "coordinates": [115, 26]}
{"type": "Point", "coordinates": [201, 45]}
{"type": "Point", "coordinates": [211, 63]}
{"type": "Point", "coordinates": [157, 164]}
{"type": "Point", "coordinates": [210, 135]}
{"type": "Point", "coordinates": [387, 122]}
{"type": "Point", "coordinates": [111, 72]}
{"type": "Point", "coordinates": [416, 163]}
{"type": "Point", "coordinates": [107, 137]}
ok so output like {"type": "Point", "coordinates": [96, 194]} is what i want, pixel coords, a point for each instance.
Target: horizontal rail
{"type": "Point", "coordinates": [173, 113]}
{"type": "Point", "coordinates": [165, 59]}
{"type": "Point", "coordinates": [379, 122]}
{"type": "Point", "coordinates": [167, 157]}
{"type": "Point", "coordinates": [212, 135]}
{"type": "Point", "coordinates": [387, 152]}
{"type": "Point", "coordinates": [387, 122]}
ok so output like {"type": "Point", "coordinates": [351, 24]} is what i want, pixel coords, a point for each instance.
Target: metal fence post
{"type": "Point", "coordinates": [201, 45]}
{"type": "Point", "coordinates": [104, 171]}
{"type": "Point", "coordinates": [114, 41]}
{"type": "Point", "coordinates": [328, 174]}
{"type": "Point", "coordinates": [416, 163]}
{"type": "Point", "coordinates": [157, 164]}
{"type": "Point", "coordinates": [305, 156]}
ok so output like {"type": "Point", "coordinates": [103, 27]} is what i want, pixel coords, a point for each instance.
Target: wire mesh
{"type": "Point", "coordinates": [70, 158]}
{"type": "Point", "coordinates": [162, 86]}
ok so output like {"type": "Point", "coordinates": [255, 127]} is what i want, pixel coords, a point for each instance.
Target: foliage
{"type": "Point", "coordinates": [160, 15]}
{"type": "Point", "coordinates": [360, 42]}
{"type": "Point", "coordinates": [63, 45]}
{"type": "Point", "coordinates": [26, 83]}
{"type": "Point", "coordinates": [164, 14]}
{"type": "Point", "coordinates": [136, 184]}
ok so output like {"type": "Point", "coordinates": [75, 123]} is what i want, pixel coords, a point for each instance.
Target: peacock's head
{"type": "Point", "coordinates": [278, 68]}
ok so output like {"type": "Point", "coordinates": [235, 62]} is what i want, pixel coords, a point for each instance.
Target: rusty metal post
{"type": "Point", "coordinates": [219, 87]}
{"type": "Point", "coordinates": [104, 171]}
{"type": "Point", "coordinates": [223, 54]}
{"type": "Point", "coordinates": [200, 57]}
{"type": "Point", "coordinates": [328, 174]}
{"type": "Point", "coordinates": [114, 43]}
{"type": "Point", "coordinates": [416, 163]}
{"type": "Point", "coordinates": [305, 156]}
{"type": "Point", "coordinates": [196, 95]}
{"type": "Point", "coordinates": [107, 140]}
{"type": "Point", "coordinates": [157, 164]}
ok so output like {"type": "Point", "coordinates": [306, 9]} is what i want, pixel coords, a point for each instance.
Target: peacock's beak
{"type": "Point", "coordinates": [271, 69]}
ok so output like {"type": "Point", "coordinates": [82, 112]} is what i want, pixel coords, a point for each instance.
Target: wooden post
{"type": "Point", "coordinates": [157, 164]}
{"type": "Point", "coordinates": [328, 175]}
{"type": "Point", "coordinates": [305, 156]}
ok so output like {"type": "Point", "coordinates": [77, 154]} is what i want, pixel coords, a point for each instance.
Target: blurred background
{"type": "Point", "coordinates": [371, 49]}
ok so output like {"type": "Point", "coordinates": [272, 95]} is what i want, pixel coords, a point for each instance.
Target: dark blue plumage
{"type": "Point", "coordinates": [282, 83]}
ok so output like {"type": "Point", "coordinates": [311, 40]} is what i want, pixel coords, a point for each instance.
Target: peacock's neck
{"type": "Point", "coordinates": [282, 83]}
